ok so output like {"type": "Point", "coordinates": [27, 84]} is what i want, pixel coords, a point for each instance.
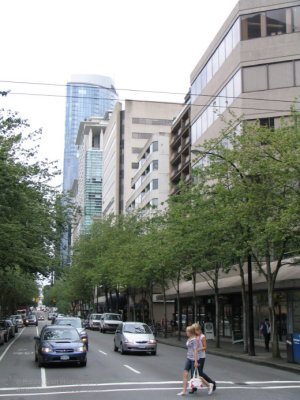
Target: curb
{"type": "Point", "coordinates": [289, 367]}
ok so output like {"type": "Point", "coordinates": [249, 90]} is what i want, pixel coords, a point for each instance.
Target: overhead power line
{"type": "Point", "coordinates": [192, 105]}
{"type": "Point", "coordinates": [135, 90]}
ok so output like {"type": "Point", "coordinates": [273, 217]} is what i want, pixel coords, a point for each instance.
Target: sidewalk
{"type": "Point", "coordinates": [235, 351]}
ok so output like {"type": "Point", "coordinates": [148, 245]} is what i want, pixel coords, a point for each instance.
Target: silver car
{"type": "Point", "coordinates": [134, 337]}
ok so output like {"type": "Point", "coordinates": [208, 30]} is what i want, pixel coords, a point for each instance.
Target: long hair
{"type": "Point", "coordinates": [197, 328]}
{"type": "Point", "coordinates": [191, 330]}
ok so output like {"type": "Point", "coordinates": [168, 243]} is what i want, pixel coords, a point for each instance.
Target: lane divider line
{"type": "Point", "coordinates": [132, 369]}
{"type": "Point", "coordinates": [10, 344]}
{"type": "Point", "coordinates": [102, 352]}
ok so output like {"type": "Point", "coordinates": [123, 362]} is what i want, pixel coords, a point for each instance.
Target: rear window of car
{"type": "Point", "coordinates": [113, 317]}
{"type": "Point", "coordinates": [73, 322]}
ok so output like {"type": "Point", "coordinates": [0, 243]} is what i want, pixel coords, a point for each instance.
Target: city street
{"type": "Point", "coordinates": [110, 375]}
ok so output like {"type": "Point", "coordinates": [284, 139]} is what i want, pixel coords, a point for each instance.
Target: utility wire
{"type": "Point", "coordinates": [192, 105]}
{"type": "Point", "coordinates": [136, 90]}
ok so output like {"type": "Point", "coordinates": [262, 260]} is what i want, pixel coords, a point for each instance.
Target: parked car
{"type": "Point", "coordinates": [77, 323]}
{"type": "Point", "coordinates": [8, 325]}
{"type": "Point", "coordinates": [15, 323]}
{"type": "Point", "coordinates": [59, 344]}
{"type": "Point", "coordinates": [19, 320]}
{"type": "Point", "coordinates": [134, 337]}
{"type": "Point", "coordinates": [31, 320]}
{"type": "Point", "coordinates": [4, 331]}
{"type": "Point", "coordinates": [109, 322]}
{"type": "Point", "coordinates": [94, 321]}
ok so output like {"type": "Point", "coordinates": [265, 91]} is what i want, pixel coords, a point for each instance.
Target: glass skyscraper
{"type": "Point", "coordinates": [87, 96]}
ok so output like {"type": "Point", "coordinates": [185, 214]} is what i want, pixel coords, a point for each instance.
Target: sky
{"type": "Point", "coordinates": [145, 46]}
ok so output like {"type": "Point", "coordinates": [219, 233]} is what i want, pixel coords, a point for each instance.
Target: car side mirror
{"type": "Point", "coordinates": [37, 338]}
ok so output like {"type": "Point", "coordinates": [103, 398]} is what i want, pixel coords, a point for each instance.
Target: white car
{"type": "Point", "coordinates": [94, 321]}
{"type": "Point", "coordinates": [109, 322]}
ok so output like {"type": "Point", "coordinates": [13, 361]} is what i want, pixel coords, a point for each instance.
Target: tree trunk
{"type": "Point", "coordinates": [274, 333]}
{"type": "Point", "coordinates": [217, 317]}
{"type": "Point", "coordinates": [133, 306]}
{"type": "Point", "coordinates": [165, 312]}
{"type": "Point", "coordinates": [245, 308]}
{"type": "Point", "coordinates": [117, 300]}
{"type": "Point", "coordinates": [106, 300]}
{"type": "Point", "coordinates": [128, 305]}
{"type": "Point", "coordinates": [194, 296]}
{"type": "Point", "coordinates": [178, 309]}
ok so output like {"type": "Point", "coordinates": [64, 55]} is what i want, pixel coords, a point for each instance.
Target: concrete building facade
{"type": "Point", "coordinates": [130, 134]}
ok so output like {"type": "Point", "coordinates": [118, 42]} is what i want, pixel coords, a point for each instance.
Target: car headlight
{"type": "Point", "coordinates": [83, 339]}
{"type": "Point", "coordinates": [46, 350]}
{"type": "Point", "coordinates": [152, 341]}
{"type": "Point", "coordinates": [81, 349]}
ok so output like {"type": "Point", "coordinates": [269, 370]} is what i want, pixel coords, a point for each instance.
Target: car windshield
{"type": "Point", "coordinates": [113, 317]}
{"type": "Point", "coordinates": [96, 316]}
{"type": "Point", "coordinates": [136, 328]}
{"type": "Point", "coordinates": [60, 334]}
{"type": "Point", "coordinates": [73, 322]}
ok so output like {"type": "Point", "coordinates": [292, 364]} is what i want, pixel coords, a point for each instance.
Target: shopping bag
{"type": "Point", "coordinates": [195, 382]}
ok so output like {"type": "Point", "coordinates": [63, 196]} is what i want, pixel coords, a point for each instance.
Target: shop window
{"type": "Point", "coordinates": [251, 26]}
{"type": "Point", "coordinates": [276, 22]}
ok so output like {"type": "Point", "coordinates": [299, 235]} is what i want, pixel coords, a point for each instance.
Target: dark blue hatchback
{"type": "Point", "coordinates": [59, 344]}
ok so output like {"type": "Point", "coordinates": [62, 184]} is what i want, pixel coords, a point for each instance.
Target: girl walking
{"type": "Point", "coordinates": [201, 347]}
{"type": "Point", "coordinates": [191, 361]}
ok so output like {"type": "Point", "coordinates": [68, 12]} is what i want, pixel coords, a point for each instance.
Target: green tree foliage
{"type": "Point", "coordinates": [31, 211]}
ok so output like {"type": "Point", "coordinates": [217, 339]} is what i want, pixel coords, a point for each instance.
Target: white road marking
{"type": "Point", "coordinates": [132, 369]}
{"type": "Point", "coordinates": [43, 377]}
{"type": "Point", "coordinates": [49, 393]}
{"type": "Point", "coordinates": [102, 352]}
{"type": "Point", "coordinates": [10, 344]}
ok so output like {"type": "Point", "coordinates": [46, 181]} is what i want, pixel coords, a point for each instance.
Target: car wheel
{"type": "Point", "coordinates": [103, 330]}
{"type": "Point", "coordinates": [35, 357]}
{"type": "Point", "coordinates": [122, 350]}
{"type": "Point", "coordinates": [153, 352]}
{"type": "Point", "coordinates": [40, 363]}
{"type": "Point", "coordinates": [6, 338]}
{"type": "Point", "coordinates": [83, 364]}
{"type": "Point", "coordinates": [115, 347]}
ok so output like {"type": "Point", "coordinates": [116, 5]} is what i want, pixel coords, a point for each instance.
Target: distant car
{"type": "Point", "coordinates": [31, 320]}
{"type": "Point", "coordinates": [109, 322]}
{"type": "Point", "coordinates": [4, 331]}
{"type": "Point", "coordinates": [51, 316]}
{"type": "Point", "coordinates": [94, 321]}
{"type": "Point", "coordinates": [77, 323]}
{"type": "Point", "coordinates": [41, 317]}
{"type": "Point", "coordinates": [19, 320]}
{"type": "Point", "coordinates": [134, 337]}
{"type": "Point", "coordinates": [59, 344]}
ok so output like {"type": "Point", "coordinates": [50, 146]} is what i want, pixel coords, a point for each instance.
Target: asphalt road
{"type": "Point", "coordinates": [110, 375]}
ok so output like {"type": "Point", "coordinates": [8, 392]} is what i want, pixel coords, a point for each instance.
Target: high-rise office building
{"type": "Point", "coordinates": [87, 96]}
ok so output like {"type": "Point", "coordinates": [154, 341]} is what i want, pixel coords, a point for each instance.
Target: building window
{"type": "Point", "coordinates": [155, 184]}
{"type": "Point", "coordinates": [297, 72]}
{"type": "Point", "coordinates": [251, 26]}
{"type": "Point", "coordinates": [281, 75]}
{"type": "Point", "coordinates": [276, 22]}
{"type": "Point", "coordinates": [255, 78]}
{"type": "Point", "coordinates": [296, 19]}
{"type": "Point", "coordinates": [268, 122]}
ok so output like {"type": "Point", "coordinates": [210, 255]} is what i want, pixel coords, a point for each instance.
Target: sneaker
{"type": "Point", "coordinates": [211, 388]}
{"type": "Point", "coordinates": [193, 391]}
{"type": "Point", "coordinates": [181, 394]}
{"type": "Point", "coordinates": [215, 386]}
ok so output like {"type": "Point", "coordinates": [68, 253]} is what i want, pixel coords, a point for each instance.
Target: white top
{"type": "Point", "coordinates": [201, 353]}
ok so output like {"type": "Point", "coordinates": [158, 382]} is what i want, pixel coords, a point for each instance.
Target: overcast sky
{"type": "Point", "coordinates": [150, 45]}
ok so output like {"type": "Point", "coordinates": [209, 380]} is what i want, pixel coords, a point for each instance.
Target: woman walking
{"type": "Point", "coordinates": [201, 347]}
{"type": "Point", "coordinates": [191, 361]}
